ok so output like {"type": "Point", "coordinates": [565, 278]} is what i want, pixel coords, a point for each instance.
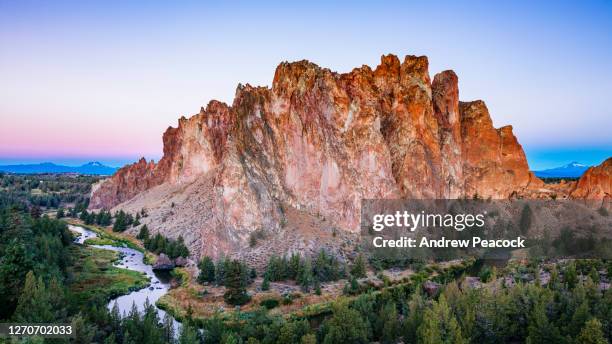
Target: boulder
{"type": "Point", "coordinates": [163, 263]}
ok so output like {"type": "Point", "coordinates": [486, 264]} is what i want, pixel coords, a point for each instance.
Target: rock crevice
{"type": "Point", "coordinates": [319, 142]}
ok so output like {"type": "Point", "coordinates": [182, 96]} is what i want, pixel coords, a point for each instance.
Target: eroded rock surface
{"type": "Point", "coordinates": [595, 183]}
{"type": "Point", "coordinates": [318, 142]}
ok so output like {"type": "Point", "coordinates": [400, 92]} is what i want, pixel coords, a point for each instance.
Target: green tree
{"type": "Point", "coordinates": [33, 305]}
{"type": "Point", "coordinates": [540, 329]}
{"type": "Point", "coordinates": [293, 331]}
{"type": "Point", "coordinates": [121, 221]}
{"type": "Point", "coordinates": [309, 339]}
{"type": "Point", "coordinates": [317, 287]}
{"type": "Point", "coordinates": [189, 334]}
{"type": "Point", "coordinates": [143, 234]}
{"type": "Point", "coordinates": [84, 216]}
{"type": "Point", "coordinates": [592, 333]}
{"type": "Point", "coordinates": [570, 276]}
{"type": "Point", "coordinates": [345, 326]}
{"type": "Point", "coordinates": [235, 284]}
{"type": "Point", "coordinates": [594, 275]}
{"type": "Point", "coordinates": [294, 266]}
{"type": "Point", "coordinates": [207, 270]}
{"type": "Point", "coordinates": [579, 318]}
{"type": "Point", "coordinates": [231, 338]}
{"type": "Point", "coordinates": [439, 325]}
{"type": "Point", "coordinates": [83, 331]}
{"type": "Point", "coordinates": [168, 329]}
{"type": "Point", "coordinates": [15, 262]}
{"type": "Point", "coordinates": [304, 275]}
{"type": "Point", "coordinates": [416, 308]}
{"type": "Point", "coordinates": [265, 284]}
{"type": "Point", "coordinates": [358, 270]}
{"type": "Point", "coordinates": [390, 323]}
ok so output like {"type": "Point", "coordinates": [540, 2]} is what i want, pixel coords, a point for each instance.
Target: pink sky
{"type": "Point", "coordinates": [105, 80]}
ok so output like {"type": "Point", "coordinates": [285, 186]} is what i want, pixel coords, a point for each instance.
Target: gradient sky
{"type": "Point", "coordinates": [103, 80]}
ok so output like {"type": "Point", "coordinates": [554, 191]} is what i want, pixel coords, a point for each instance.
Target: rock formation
{"type": "Point", "coordinates": [595, 183]}
{"type": "Point", "coordinates": [317, 143]}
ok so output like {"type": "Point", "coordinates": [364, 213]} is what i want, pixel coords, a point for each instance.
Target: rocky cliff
{"type": "Point", "coordinates": [316, 143]}
{"type": "Point", "coordinates": [595, 183]}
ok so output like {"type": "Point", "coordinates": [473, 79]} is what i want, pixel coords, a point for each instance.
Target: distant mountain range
{"type": "Point", "coordinates": [93, 167]}
{"type": "Point", "coordinates": [571, 170]}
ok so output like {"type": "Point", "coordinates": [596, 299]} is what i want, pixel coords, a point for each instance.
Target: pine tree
{"type": "Point", "coordinates": [151, 330]}
{"type": "Point", "coordinates": [120, 221]}
{"type": "Point", "coordinates": [358, 269]}
{"type": "Point", "coordinates": [265, 284]}
{"type": "Point", "coordinates": [16, 262]}
{"type": "Point", "coordinates": [345, 326]}
{"type": "Point", "coordinates": [111, 339]}
{"type": "Point", "coordinates": [554, 282]}
{"type": "Point", "coordinates": [236, 285]}
{"type": "Point", "coordinates": [34, 305]}
{"type": "Point", "coordinates": [84, 215]}
{"type": "Point", "coordinates": [317, 287]}
{"type": "Point", "coordinates": [579, 318]}
{"type": "Point", "coordinates": [440, 325]}
{"type": "Point", "coordinates": [83, 332]}
{"type": "Point", "coordinates": [115, 323]}
{"type": "Point", "coordinates": [390, 323]}
{"type": "Point", "coordinates": [540, 329]}
{"type": "Point", "coordinates": [143, 234]}
{"type": "Point", "coordinates": [304, 275]}
{"type": "Point", "coordinates": [592, 333]}
{"type": "Point", "coordinates": [168, 328]}
{"type": "Point", "coordinates": [207, 270]}
{"type": "Point", "coordinates": [309, 339]}
{"type": "Point", "coordinates": [293, 267]}
{"type": "Point", "coordinates": [181, 250]}
{"type": "Point", "coordinates": [57, 299]}
{"type": "Point", "coordinates": [570, 276]}
{"type": "Point", "coordinates": [594, 275]}
{"type": "Point", "coordinates": [189, 334]}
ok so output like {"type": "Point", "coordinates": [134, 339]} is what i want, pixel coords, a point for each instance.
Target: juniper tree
{"type": "Point", "coordinates": [358, 270]}
{"type": "Point", "coordinates": [236, 285]}
{"type": "Point", "coordinates": [207, 270]}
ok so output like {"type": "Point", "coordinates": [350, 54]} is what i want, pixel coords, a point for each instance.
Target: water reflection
{"type": "Point", "coordinates": [133, 260]}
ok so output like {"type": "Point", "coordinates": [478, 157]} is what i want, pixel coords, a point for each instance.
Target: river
{"type": "Point", "coordinates": [133, 260]}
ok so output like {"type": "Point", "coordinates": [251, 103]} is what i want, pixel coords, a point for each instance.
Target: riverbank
{"type": "Point", "coordinates": [95, 276]}
{"type": "Point", "coordinates": [106, 236]}
{"type": "Point", "coordinates": [125, 294]}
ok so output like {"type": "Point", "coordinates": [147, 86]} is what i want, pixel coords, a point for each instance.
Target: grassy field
{"type": "Point", "coordinates": [95, 276]}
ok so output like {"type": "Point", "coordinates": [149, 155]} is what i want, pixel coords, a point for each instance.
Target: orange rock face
{"type": "Point", "coordinates": [319, 142]}
{"type": "Point", "coordinates": [595, 183]}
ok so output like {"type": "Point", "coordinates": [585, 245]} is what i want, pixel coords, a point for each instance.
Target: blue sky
{"type": "Point", "coordinates": [103, 80]}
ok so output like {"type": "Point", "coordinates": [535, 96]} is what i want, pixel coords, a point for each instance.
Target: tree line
{"type": "Point", "coordinates": [161, 244]}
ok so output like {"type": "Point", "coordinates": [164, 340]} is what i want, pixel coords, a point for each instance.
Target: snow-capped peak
{"type": "Point", "coordinates": [93, 163]}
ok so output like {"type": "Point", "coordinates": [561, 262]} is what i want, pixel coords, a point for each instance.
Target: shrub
{"type": "Point", "coordinates": [269, 303]}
